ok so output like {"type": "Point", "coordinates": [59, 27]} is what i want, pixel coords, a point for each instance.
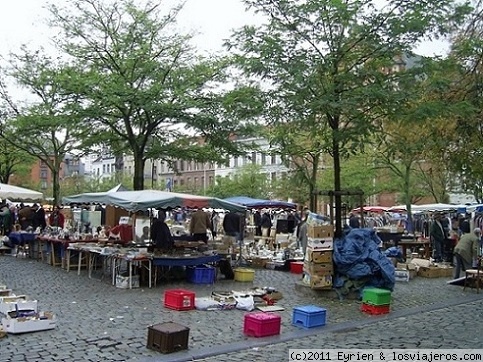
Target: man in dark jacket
{"type": "Point", "coordinates": [38, 219]}
{"type": "Point", "coordinates": [438, 236]}
{"type": "Point", "coordinates": [232, 225]}
{"type": "Point", "coordinates": [160, 233]}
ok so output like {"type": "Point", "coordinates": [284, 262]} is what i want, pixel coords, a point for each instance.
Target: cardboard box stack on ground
{"type": "Point", "coordinates": [425, 269]}
{"type": "Point", "coordinates": [19, 315]}
{"type": "Point", "coordinates": [318, 265]}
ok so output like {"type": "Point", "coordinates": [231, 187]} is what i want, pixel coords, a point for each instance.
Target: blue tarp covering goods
{"type": "Point", "coordinates": [360, 263]}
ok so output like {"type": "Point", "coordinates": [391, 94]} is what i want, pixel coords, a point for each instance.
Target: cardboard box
{"type": "Point", "coordinates": [447, 272]}
{"type": "Point", "coordinates": [259, 262]}
{"type": "Point", "coordinates": [320, 232]}
{"type": "Point", "coordinates": [318, 269]}
{"type": "Point", "coordinates": [318, 256]}
{"type": "Point", "coordinates": [429, 272]}
{"type": "Point", "coordinates": [9, 304]}
{"type": "Point", "coordinates": [406, 266]}
{"type": "Point", "coordinates": [41, 322]}
{"type": "Point", "coordinates": [324, 244]}
{"type": "Point", "coordinates": [321, 282]}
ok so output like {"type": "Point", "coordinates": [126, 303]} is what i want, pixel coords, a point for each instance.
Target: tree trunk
{"type": "Point", "coordinates": [407, 198]}
{"type": "Point", "coordinates": [337, 186]}
{"type": "Point", "coordinates": [313, 185]}
{"type": "Point", "coordinates": [138, 180]}
{"type": "Point", "coordinates": [56, 185]}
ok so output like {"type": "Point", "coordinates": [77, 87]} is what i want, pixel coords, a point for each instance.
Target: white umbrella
{"type": "Point", "coordinates": [16, 193]}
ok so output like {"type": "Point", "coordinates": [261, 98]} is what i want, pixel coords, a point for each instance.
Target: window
{"type": "Point", "coordinates": [274, 176]}
{"type": "Point", "coordinates": [210, 182]}
{"type": "Point", "coordinates": [236, 162]}
{"type": "Point", "coordinates": [108, 168]}
{"type": "Point", "coordinates": [103, 169]}
{"type": "Point", "coordinates": [264, 160]}
{"type": "Point", "coordinates": [196, 181]}
{"type": "Point", "coordinates": [274, 160]}
{"type": "Point", "coordinates": [254, 158]}
{"type": "Point", "coordinates": [43, 174]}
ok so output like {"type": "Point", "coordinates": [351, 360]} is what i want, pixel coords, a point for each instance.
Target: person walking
{"type": "Point", "coordinates": [466, 251]}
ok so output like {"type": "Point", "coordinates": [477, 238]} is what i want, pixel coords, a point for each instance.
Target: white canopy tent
{"type": "Point", "coordinates": [15, 193]}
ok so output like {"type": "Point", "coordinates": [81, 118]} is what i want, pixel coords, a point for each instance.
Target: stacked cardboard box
{"type": "Point", "coordinates": [318, 265]}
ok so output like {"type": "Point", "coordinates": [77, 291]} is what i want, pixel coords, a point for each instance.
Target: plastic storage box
{"type": "Point", "coordinates": [201, 275]}
{"type": "Point", "coordinates": [309, 316]}
{"type": "Point", "coordinates": [376, 296]}
{"type": "Point", "coordinates": [244, 275]}
{"type": "Point", "coordinates": [261, 324]}
{"type": "Point", "coordinates": [297, 267]}
{"type": "Point", "coordinates": [375, 309]}
{"type": "Point", "coordinates": [168, 337]}
{"type": "Point", "coordinates": [179, 299]}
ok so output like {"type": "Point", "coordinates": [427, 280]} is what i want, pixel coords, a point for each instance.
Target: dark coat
{"type": "Point", "coordinates": [232, 223]}
{"type": "Point", "coordinates": [161, 235]}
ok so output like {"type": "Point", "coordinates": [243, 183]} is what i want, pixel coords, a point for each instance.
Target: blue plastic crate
{"type": "Point", "coordinates": [309, 316]}
{"type": "Point", "coordinates": [200, 275]}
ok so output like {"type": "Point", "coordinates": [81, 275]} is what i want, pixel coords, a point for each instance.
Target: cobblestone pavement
{"type": "Point", "coordinates": [98, 322]}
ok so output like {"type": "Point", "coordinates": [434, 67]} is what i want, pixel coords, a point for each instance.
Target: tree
{"type": "Point", "coordinates": [324, 63]}
{"type": "Point", "coordinates": [13, 161]}
{"type": "Point", "coordinates": [248, 181]}
{"type": "Point", "coordinates": [48, 127]}
{"type": "Point", "coordinates": [467, 151]}
{"type": "Point", "coordinates": [302, 151]}
{"type": "Point", "coordinates": [143, 87]}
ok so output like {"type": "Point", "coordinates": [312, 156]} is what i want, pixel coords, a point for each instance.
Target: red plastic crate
{"type": "Point", "coordinates": [261, 324]}
{"type": "Point", "coordinates": [297, 267]}
{"type": "Point", "coordinates": [375, 309]}
{"type": "Point", "coordinates": [179, 299]}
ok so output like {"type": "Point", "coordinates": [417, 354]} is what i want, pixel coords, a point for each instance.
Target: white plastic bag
{"type": "Point", "coordinates": [245, 302]}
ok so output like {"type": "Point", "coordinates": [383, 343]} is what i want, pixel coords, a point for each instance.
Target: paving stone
{"type": "Point", "coordinates": [424, 312]}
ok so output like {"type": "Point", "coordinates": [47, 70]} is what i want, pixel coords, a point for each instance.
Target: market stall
{"type": "Point", "coordinates": [16, 193]}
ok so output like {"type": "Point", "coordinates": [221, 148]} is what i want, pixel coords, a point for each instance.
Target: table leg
{"type": "Point", "coordinates": [113, 268]}
{"type": "Point", "coordinates": [52, 254]}
{"type": "Point", "coordinates": [150, 264]}
{"type": "Point", "coordinates": [79, 262]}
{"type": "Point", "coordinates": [68, 260]}
{"type": "Point", "coordinates": [90, 265]}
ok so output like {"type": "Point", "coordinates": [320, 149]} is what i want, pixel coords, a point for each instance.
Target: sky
{"type": "Point", "coordinates": [23, 21]}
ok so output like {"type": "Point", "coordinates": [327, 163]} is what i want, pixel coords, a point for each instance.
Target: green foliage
{"type": "Point", "coordinates": [324, 62]}
{"type": "Point", "coordinates": [48, 127]}
{"type": "Point", "coordinates": [248, 181]}
{"type": "Point", "coordinates": [13, 161]}
{"type": "Point", "coordinates": [143, 86]}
